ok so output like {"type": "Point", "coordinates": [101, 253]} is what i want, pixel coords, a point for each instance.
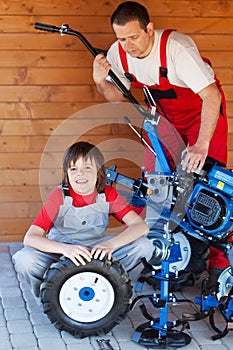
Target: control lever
{"type": "Point", "coordinates": [128, 122]}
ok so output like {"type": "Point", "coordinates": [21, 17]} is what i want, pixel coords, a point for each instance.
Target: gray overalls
{"type": "Point", "coordinates": [82, 226]}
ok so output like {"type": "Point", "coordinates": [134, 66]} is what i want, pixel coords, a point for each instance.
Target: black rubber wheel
{"type": "Point", "coordinates": [196, 264]}
{"type": "Point", "coordinates": [86, 300]}
{"type": "Point", "coordinates": [199, 256]}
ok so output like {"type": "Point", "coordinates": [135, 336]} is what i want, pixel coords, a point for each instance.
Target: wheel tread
{"type": "Point", "coordinates": [59, 272]}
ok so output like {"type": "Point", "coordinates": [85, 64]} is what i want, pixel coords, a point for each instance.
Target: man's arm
{"type": "Point", "coordinates": [196, 154]}
{"type": "Point", "coordinates": [108, 90]}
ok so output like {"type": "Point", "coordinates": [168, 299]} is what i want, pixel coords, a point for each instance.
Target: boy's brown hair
{"type": "Point", "coordinates": [86, 151]}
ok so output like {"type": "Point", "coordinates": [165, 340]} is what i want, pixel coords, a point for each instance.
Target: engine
{"type": "Point", "coordinates": [201, 204]}
{"type": "Point", "coordinates": [210, 206]}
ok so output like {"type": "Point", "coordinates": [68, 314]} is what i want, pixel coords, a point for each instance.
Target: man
{"type": "Point", "coordinates": [182, 84]}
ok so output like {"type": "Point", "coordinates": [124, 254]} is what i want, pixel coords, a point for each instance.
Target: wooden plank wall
{"type": "Point", "coordinates": [46, 79]}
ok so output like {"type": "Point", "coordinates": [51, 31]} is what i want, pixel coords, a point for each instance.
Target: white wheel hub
{"type": "Point", "coordinates": [182, 253]}
{"type": "Point", "coordinates": [225, 282]}
{"type": "Point", "coordinates": [86, 297]}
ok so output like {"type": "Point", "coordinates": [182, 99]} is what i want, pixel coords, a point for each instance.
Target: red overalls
{"type": "Point", "coordinates": [182, 108]}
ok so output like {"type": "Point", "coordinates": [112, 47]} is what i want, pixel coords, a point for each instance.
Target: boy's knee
{"type": "Point", "coordinates": [145, 247]}
{"type": "Point", "coordinates": [22, 260]}
{"type": "Point", "coordinates": [149, 249]}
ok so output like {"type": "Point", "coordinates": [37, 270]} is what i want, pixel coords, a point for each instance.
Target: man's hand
{"type": "Point", "coordinates": [194, 158]}
{"type": "Point", "coordinates": [101, 68]}
{"type": "Point", "coordinates": [106, 88]}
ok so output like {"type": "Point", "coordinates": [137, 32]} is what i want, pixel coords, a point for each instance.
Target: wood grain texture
{"type": "Point", "coordinates": [46, 84]}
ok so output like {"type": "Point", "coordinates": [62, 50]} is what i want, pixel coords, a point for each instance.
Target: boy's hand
{"type": "Point", "coordinates": [77, 253]}
{"type": "Point", "coordinates": [99, 252]}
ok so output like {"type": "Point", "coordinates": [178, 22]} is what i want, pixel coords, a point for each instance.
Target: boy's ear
{"type": "Point", "coordinates": [150, 28]}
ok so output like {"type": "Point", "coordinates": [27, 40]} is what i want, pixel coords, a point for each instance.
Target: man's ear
{"type": "Point", "coordinates": [150, 28]}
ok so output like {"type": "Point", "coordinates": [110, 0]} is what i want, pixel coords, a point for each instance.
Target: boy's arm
{"type": "Point", "coordinates": [136, 228]}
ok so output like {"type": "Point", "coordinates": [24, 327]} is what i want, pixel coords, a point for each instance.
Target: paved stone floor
{"type": "Point", "coordinates": [23, 326]}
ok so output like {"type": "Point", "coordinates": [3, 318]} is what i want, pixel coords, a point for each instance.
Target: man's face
{"type": "Point", "coordinates": [134, 40]}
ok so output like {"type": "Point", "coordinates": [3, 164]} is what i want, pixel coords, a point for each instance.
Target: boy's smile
{"type": "Point", "coordinates": [83, 176]}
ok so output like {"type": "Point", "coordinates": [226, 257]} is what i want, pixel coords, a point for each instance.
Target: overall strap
{"type": "Point", "coordinates": [65, 190]}
{"type": "Point", "coordinates": [124, 62]}
{"type": "Point", "coordinates": [163, 53]}
{"type": "Point", "coordinates": [123, 58]}
{"type": "Point", "coordinates": [101, 197]}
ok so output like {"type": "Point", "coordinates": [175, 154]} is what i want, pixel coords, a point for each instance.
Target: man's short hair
{"type": "Point", "coordinates": [130, 11]}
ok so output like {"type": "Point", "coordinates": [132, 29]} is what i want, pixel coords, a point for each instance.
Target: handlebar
{"type": "Point", "coordinates": [64, 29]}
{"type": "Point", "coordinates": [47, 27]}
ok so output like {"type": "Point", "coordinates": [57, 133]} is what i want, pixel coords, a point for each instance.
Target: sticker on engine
{"type": "Point", "coordinates": [223, 176]}
{"type": "Point", "coordinates": [220, 185]}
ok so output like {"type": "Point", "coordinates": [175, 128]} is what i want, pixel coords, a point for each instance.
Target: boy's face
{"type": "Point", "coordinates": [134, 40]}
{"type": "Point", "coordinates": [83, 176]}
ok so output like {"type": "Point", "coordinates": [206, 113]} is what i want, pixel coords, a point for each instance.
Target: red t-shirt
{"type": "Point", "coordinates": [118, 207]}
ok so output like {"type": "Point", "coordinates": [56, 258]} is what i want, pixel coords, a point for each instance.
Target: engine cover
{"type": "Point", "coordinates": [221, 179]}
{"type": "Point", "coordinates": [210, 211]}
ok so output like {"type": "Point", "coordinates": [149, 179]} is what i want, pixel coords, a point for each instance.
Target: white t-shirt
{"type": "Point", "coordinates": [185, 65]}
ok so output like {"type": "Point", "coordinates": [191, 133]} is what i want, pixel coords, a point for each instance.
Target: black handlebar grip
{"type": "Point", "coordinates": [46, 27]}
